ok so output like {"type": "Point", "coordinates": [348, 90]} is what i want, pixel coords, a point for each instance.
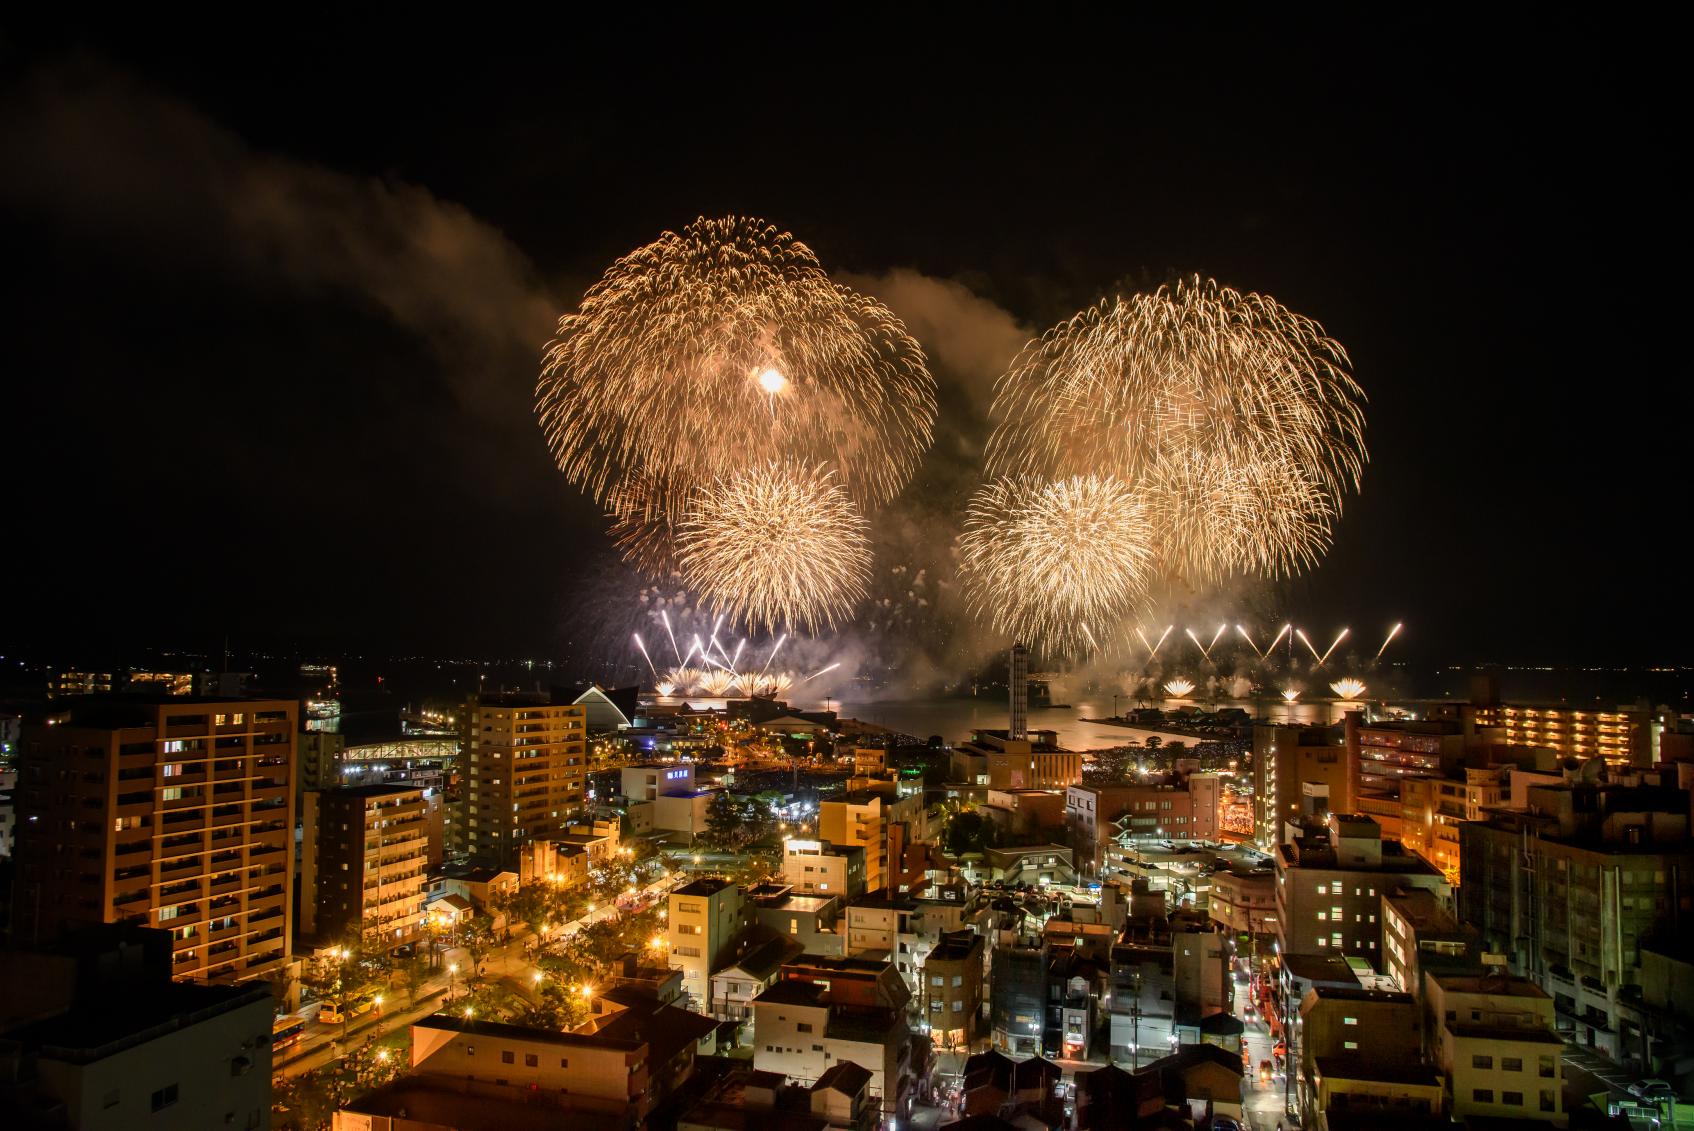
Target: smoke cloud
{"type": "Point", "coordinates": [89, 148]}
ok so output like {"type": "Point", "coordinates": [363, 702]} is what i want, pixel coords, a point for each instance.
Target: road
{"type": "Point", "coordinates": [1265, 1102]}
{"type": "Point", "coordinates": [323, 1044]}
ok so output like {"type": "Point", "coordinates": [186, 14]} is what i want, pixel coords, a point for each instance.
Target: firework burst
{"type": "Point", "coordinates": [730, 328]}
{"type": "Point", "coordinates": [1045, 561]}
{"type": "Point", "coordinates": [1179, 688]}
{"type": "Point", "coordinates": [1235, 420]}
{"type": "Point", "coordinates": [776, 546]}
{"type": "Point", "coordinates": [1348, 688]}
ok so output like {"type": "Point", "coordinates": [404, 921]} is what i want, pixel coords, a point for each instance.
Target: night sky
{"type": "Point", "coordinates": [279, 292]}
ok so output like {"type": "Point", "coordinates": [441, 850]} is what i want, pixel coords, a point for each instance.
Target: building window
{"type": "Point", "coordinates": [1547, 1103]}
{"type": "Point", "coordinates": [1479, 1060]}
{"type": "Point", "coordinates": [1482, 1095]}
{"type": "Point", "coordinates": [1349, 1044]}
{"type": "Point", "coordinates": [935, 1005]}
{"type": "Point", "coordinates": [1349, 1020]}
{"type": "Point", "coordinates": [1546, 1067]}
{"type": "Point", "coordinates": [1511, 1064]}
{"type": "Point", "coordinates": [1512, 1099]}
{"type": "Point", "coordinates": [164, 1097]}
{"type": "Point", "coordinates": [958, 979]}
{"type": "Point", "coordinates": [506, 1057]}
{"type": "Point", "coordinates": [803, 1026]}
{"type": "Point", "coordinates": [531, 1060]}
{"type": "Point", "coordinates": [564, 1062]}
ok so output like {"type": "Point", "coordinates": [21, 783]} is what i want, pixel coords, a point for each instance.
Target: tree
{"type": "Point", "coordinates": [414, 972]}
{"type": "Point", "coordinates": [969, 831]}
{"type": "Point", "coordinates": [559, 1008]}
{"type": "Point", "coordinates": [477, 937]}
{"type": "Point", "coordinates": [723, 822]}
{"type": "Point", "coordinates": [532, 905]}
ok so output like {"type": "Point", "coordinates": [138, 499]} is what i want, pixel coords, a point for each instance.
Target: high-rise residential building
{"type": "Point", "coordinates": [1622, 735]}
{"type": "Point", "coordinates": [364, 860]}
{"type": "Point", "coordinates": [856, 819]}
{"type": "Point", "coordinates": [174, 813]}
{"type": "Point", "coordinates": [1292, 765]}
{"type": "Point", "coordinates": [702, 920]}
{"type": "Point", "coordinates": [1571, 888]}
{"type": "Point", "coordinates": [1330, 882]}
{"type": "Point", "coordinates": [525, 760]}
{"type": "Point", "coordinates": [1432, 809]}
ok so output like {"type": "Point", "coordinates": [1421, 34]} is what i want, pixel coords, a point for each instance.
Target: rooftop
{"type": "Point", "coordinates": [1376, 1070]}
{"type": "Point", "coordinates": [1529, 1034]}
{"type": "Point", "coordinates": [427, 1101]}
{"type": "Point", "coordinates": [94, 1030]}
{"type": "Point", "coordinates": [1499, 985]}
{"type": "Point", "coordinates": [455, 1024]}
{"type": "Point", "coordinates": [709, 885]}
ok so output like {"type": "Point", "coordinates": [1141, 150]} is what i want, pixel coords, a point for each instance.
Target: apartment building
{"type": "Point", "coordinates": [1294, 763]}
{"type": "Point", "coordinates": [1330, 882]}
{"type": "Point", "coordinates": [816, 867]}
{"type": "Point", "coordinates": [364, 860]}
{"type": "Point", "coordinates": [702, 921]}
{"type": "Point", "coordinates": [856, 820]}
{"type": "Point", "coordinates": [525, 758]}
{"type": "Point", "coordinates": [1570, 889]}
{"type": "Point", "coordinates": [171, 812]}
{"type": "Point", "coordinates": [1494, 1041]}
{"type": "Point", "coordinates": [951, 994]}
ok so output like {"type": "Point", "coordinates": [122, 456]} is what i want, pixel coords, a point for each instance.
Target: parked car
{"type": "Point", "coordinates": [1652, 1090]}
{"type": "Point", "coordinates": [1265, 1072]}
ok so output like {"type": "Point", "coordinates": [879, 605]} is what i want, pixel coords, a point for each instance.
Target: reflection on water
{"type": "Point", "coordinates": [954, 719]}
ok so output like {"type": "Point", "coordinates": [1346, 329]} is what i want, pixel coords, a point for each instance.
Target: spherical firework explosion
{"type": "Point", "coordinates": [1179, 688]}
{"type": "Point", "coordinates": [712, 353]}
{"type": "Point", "coordinates": [1348, 688]}
{"type": "Point", "coordinates": [780, 544]}
{"type": "Point", "coordinates": [1231, 421]}
{"type": "Point", "coordinates": [1044, 562]}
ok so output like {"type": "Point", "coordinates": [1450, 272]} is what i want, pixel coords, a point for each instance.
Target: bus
{"type": "Point", "coordinates": [286, 1031]}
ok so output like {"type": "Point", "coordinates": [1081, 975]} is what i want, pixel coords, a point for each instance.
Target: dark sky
{"type": "Point", "coordinates": [279, 293]}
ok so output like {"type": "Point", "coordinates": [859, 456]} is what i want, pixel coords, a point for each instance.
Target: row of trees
{"type": "Point", "coordinates": [733, 823]}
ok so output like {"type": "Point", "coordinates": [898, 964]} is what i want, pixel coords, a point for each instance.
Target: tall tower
{"type": "Point", "coordinates": [1020, 693]}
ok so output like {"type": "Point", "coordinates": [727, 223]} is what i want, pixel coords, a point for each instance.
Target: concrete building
{"type": "Point", "coordinates": [1569, 889]}
{"type": "Point", "coordinates": [807, 919]}
{"type": "Point", "coordinates": [816, 867]}
{"type": "Point", "coordinates": [1018, 1001]}
{"type": "Point", "coordinates": [951, 998]}
{"type": "Point", "coordinates": [1011, 763]}
{"type": "Point", "coordinates": [1179, 807]}
{"type": "Point", "coordinates": [1420, 935]}
{"type": "Point", "coordinates": [364, 861]}
{"type": "Point", "coordinates": [113, 1043]}
{"type": "Point", "coordinates": [750, 973]}
{"type": "Point", "coordinates": [553, 861]}
{"type": "Point", "coordinates": [1033, 864]}
{"type": "Point", "coordinates": [803, 1026]}
{"type": "Point", "coordinates": [648, 783]}
{"type": "Point", "coordinates": [702, 922]}
{"type": "Point", "coordinates": [856, 820]}
{"type": "Point", "coordinates": [524, 765]}
{"type": "Point", "coordinates": [1348, 1026]}
{"type": "Point", "coordinates": [593, 1073]}
{"type": "Point", "coordinates": [1330, 883]}
{"type": "Point", "coordinates": [1432, 809]}
{"type": "Point", "coordinates": [1496, 1046]}
{"type": "Point", "coordinates": [1286, 760]}
{"type": "Point", "coordinates": [1623, 735]}
{"type": "Point", "coordinates": [1243, 899]}
{"type": "Point", "coordinates": [172, 812]}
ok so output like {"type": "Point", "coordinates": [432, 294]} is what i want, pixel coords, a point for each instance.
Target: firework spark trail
{"type": "Point", "coordinates": [1286, 629]}
{"type": "Point", "coordinates": [1392, 633]}
{"type": "Point", "coordinates": [1333, 646]}
{"type": "Point", "coordinates": [1040, 559]}
{"type": "Point", "coordinates": [1235, 421]}
{"type": "Point", "coordinates": [781, 545]}
{"type": "Point", "coordinates": [1301, 633]}
{"type": "Point", "coordinates": [1249, 638]}
{"type": "Point", "coordinates": [774, 650]}
{"type": "Point", "coordinates": [666, 617]}
{"type": "Point", "coordinates": [821, 671]}
{"type": "Point", "coordinates": [730, 327]}
{"type": "Point", "coordinates": [1205, 652]}
{"type": "Point", "coordinates": [646, 657]}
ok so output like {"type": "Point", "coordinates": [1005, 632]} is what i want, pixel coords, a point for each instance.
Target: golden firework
{"type": "Point", "coordinates": [776, 546]}
{"type": "Point", "coordinates": [1236, 420]}
{"type": "Point", "coordinates": [718, 349]}
{"type": "Point", "coordinates": [1051, 563]}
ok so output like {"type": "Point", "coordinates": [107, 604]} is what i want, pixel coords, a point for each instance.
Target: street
{"type": "Point", "coordinates": [1264, 1103]}
{"type": "Point", "coordinates": [323, 1044]}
